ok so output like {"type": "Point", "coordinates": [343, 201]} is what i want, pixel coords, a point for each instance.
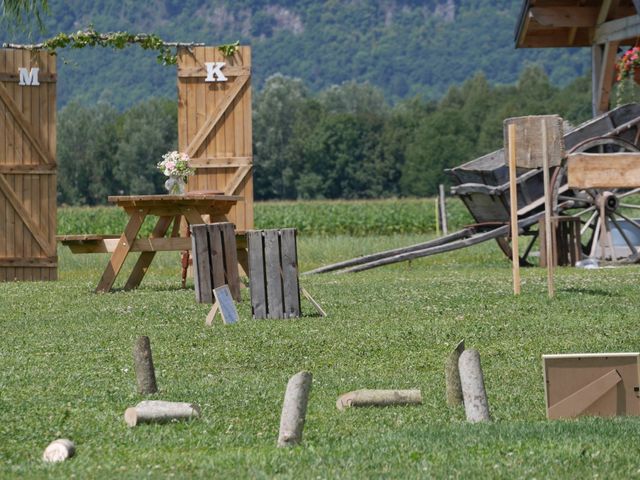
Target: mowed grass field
{"type": "Point", "coordinates": [67, 371]}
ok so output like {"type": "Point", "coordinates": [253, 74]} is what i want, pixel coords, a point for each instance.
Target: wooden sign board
{"type": "Point", "coordinates": [603, 384]}
{"type": "Point", "coordinates": [603, 170]}
{"type": "Point", "coordinates": [531, 132]}
{"type": "Point", "coordinates": [226, 305]}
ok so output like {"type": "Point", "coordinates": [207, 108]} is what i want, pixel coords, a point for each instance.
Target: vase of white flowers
{"type": "Point", "coordinates": [177, 167]}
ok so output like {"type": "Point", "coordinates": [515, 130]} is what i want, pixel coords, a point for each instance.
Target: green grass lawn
{"type": "Point", "coordinates": [67, 371]}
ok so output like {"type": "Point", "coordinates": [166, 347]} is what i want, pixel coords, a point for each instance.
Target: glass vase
{"type": "Point", "coordinates": [176, 185]}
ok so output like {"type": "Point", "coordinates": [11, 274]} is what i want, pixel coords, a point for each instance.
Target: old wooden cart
{"type": "Point", "coordinates": [483, 186]}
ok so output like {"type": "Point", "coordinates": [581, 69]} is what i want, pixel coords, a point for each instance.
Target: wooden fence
{"type": "Point", "coordinates": [214, 124]}
{"type": "Point", "coordinates": [27, 165]}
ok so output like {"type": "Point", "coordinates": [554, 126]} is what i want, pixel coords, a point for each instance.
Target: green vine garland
{"type": "Point", "coordinates": [119, 40]}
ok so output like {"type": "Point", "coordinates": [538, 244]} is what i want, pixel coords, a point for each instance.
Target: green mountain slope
{"type": "Point", "coordinates": [405, 47]}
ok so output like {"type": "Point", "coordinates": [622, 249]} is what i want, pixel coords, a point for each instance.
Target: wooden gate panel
{"type": "Point", "coordinates": [214, 125]}
{"type": "Point", "coordinates": [27, 168]}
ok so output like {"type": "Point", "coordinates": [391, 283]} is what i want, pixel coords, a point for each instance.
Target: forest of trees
{"type": "Point", "coordinates": [403, 47]}
{"type": "Point", "coordinates": [345, 141]}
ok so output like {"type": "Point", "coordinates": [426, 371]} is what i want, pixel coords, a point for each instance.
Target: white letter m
{"type": "Point", "coordinates": [28, 78]}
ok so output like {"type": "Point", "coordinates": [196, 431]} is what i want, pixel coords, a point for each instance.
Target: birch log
{"type": "Point", "coordinates": [476, 405]}
{"type": "Point", "coordinates": [59, 450]}
{"type": "Point", "coordinates": [378, 398]}
{"type": "Point", "coordinates": [452, 376]}
{"type": "Point", "coordinates": [145, 373]}
{"type": "Point", "coordinates": [294, 409]}
{"type": "Point", "coordinates": [158, 411]}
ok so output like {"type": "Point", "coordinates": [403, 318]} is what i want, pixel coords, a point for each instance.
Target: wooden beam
{"type": "Point", "coordinates": [29, 262]}
{"type": "Point", "coordinates": [636, 4]}
{"type": "Point", "coordinates": [617, 30]}
{"type": "Point", "coordinates": [606, 76]}
{"type": "Point", "coordinates": [28, 169]}
{"type": "Point", "coordinates": [603, 170]}
{"type": "Point", "coordinates": [201, 71]}
{"type": "Point", "coordinates": [597, 53]}
{"type": "Point", "coordinates": [556, 38]}
{"type": "Point", "coordinates": [564, 16]}
{"type": "Point", "coordinates": [237, 179]}
{"type": "Point", "coordinates": [605, 8]}
{"type": "Point", "coordinates": [524, 31]}
{"type": "Point", "coordinates": [42, 77]}
{"type": "Point", "coordinates": [220, 162]}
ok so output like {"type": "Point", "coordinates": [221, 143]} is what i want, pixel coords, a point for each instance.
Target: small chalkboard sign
{"type": "Point", "coordinates": [227, 307]}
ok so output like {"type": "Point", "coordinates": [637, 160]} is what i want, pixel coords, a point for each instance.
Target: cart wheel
{"type": "Point", "coordinates": [505, 245]}
{"type": "Point", "coordinates": [618, 210]}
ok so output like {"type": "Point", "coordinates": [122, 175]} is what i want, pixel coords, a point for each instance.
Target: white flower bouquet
{"type": "Point", "coordinates": [177, 167]}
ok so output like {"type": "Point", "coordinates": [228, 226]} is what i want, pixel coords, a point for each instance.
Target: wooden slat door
{"type": "Point", "coordinates": [27, 166]}
{"type": "Point", "coordinates": [214, 125]}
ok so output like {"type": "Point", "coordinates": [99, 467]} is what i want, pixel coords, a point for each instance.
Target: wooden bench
{"type": "Point", "coordinates": [81, 244]}
{"type": "Point", "coordinates": [89, 243]}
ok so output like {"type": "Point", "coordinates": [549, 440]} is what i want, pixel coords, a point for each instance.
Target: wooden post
{"type": "Point", "coordinates": [547, 212]}
{"type": "Point", "coordinates": [452, 376]}
{"type": "Point", "coordinates": [437, 217]}
{"type": "Point", "coordinates": [145, 373]}
{"type": "Point", "coordinates": [294, 409]}
{"type": "Point", "coordinates": [59, 450]}
{"type": "Point", "coordinates": [540, 144]}
{"type": "Point", "coordinates": [443, 211]}
{"type": "Point", "coordinates": [158, 411]}
{"type": "Point", "coordinates": [476, 405]}
{"type": "Point", "coordinates": [513, 200]}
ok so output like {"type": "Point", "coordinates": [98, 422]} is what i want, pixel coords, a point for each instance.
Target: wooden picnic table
{"type": "Point", "coordinates": [193, 208]}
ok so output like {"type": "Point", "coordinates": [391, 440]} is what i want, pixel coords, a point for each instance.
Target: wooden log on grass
{"type": "Point", "coordinates": [452, 376]}
{"type": "Point", "coordinates": [476, 405]}
{"type": "Point", "coordinates": [159, 411]}
{"type": "Point", "coordinates": [294, 409]}
{"type": "Point", "coordinates": [378, 398]}
{"type": "Point", "coordinates": [145, 373]}
{"type": "Point", "coordinates": [59, 450]}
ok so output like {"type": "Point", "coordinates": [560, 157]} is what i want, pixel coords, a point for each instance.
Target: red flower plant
{"type": "Point", "coordinates": [628, 63]}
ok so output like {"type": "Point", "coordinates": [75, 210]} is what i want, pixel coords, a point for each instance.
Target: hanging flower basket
{"type": "Point", "coordinates": [629, 65]}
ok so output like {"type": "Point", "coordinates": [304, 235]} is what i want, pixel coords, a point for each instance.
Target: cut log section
{"type": "Point", "coordinates": [158, 411]}
{"type": "Point", "coordinates": [378, 398]}
{"type": "Point", "coordinates": [294, 409]}
{"type": "Point", "coordinates": [452, 376]}
{"type": "Point", "coordinates": [59, 450]}
{"type": "Point", "coordinates": [145, 373]}
{"type": "Point", "coordinates": [476, 405]}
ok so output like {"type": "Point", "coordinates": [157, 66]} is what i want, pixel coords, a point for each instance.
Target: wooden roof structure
{"type": "Point", "coordinates": [603, 25]}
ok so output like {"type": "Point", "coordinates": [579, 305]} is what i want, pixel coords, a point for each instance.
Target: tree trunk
{"type": "Point", "coordinates": [158, 411]}
{"type": "Point", "coordinates": [294, 409]}
{"type": "Point", "coordinates": [145, 373]}
{"type": "Point", "coordinates": [378, 398]}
